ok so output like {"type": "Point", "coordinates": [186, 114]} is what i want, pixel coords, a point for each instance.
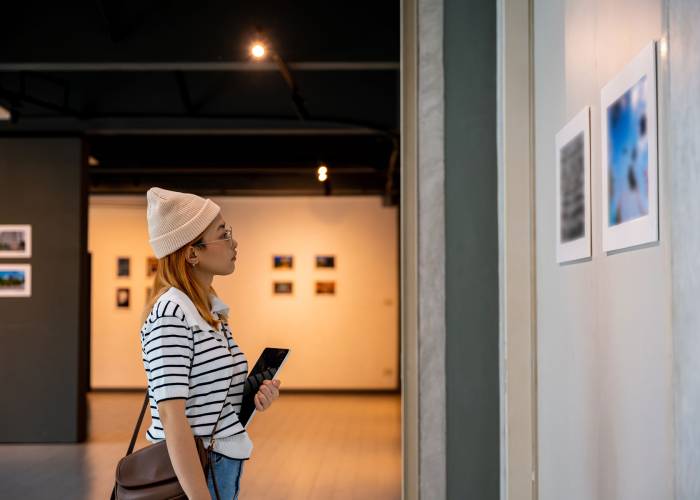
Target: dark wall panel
{"type": "Point", "coordinates": [42, 358]}
{"type": "Point", "coordinates": [471, 250]}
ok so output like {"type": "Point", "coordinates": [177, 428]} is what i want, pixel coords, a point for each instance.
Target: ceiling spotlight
{"type": "Point", "coordinates": [322, 173]}
{"type": "Point", "coordinates": [257, 50]}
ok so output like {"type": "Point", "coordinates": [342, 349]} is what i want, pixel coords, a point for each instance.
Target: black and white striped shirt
{"type": "Point", "coordinates": [185, 358]}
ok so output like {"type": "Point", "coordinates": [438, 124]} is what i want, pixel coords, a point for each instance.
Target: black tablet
{"type": "Point", "coordinates": [268, 365]}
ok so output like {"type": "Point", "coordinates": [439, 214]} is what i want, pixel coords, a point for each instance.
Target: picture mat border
{"type": "Point", "coordinates": [11, 254]}
{"type": "Point", "coordinates": [643, 229]}
{"type": "Point", "coordinates": [27, 268]}
{"type": "Point", "coordinates": [580, 248]}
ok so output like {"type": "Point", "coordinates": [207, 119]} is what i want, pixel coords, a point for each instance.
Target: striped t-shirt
{"type": "Point", "coordinates": [185, 358]}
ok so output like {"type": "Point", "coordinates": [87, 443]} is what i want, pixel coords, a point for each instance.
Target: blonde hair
{"type": "Point", "coordinates": [173, 270]}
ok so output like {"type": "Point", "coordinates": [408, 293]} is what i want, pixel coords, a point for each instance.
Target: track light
{"type": "Point", "coordinates": [322, 172]}
{"type": "Point", "coordinates": [258, 51]}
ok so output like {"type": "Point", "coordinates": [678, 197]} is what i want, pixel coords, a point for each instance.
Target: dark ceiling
{"type": "Point", "coordinates": [164, 93]}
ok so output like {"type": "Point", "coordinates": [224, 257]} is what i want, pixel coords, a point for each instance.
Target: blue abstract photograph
{"type": "Point", "coordinates": [628, 156]}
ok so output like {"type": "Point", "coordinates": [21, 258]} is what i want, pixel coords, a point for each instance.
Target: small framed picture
{"type": "Point", "coordinates": [123, 266]}
{"type": "Point", "coordinates": [151, 266]}
{"type": "Point", "coordinates": [325, 288]}
{"type": "Point", "coordinates": [123, 297]}
{"type": "Point", "coordinates": [629, 159]}
{"type": "Point", "coordinates": [325, 261]}
{"type": "Point", "coordinates": [573, 192]}
{"type": "Point", "coordinates": [15, 280]}
{"type": "Point", "coordinates": [283, 287]}
{"type": "Point", "coordinates": [16, 241]}
{"type": "Point", "coordinates": [283, 262]}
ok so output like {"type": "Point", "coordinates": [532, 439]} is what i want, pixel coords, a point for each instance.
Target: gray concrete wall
{"type": "Point", "coordinates": [431, 249]}
{"type": "Point", "coordinates": [684, 151]}
{"type": "Point", "coordinates": [604, 325]}
{"type": "Point", "coordinates": [42, 359]}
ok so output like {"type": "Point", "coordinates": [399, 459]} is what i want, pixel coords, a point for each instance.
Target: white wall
{"type": "Point", "coordinates": [604, 325]}
{"type": "Point", "coordinates": [346, 341]}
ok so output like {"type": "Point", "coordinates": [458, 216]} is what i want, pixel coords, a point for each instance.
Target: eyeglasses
{"type": "Point", "coordinates": [229, 237]}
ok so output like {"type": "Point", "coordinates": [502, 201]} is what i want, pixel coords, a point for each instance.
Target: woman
{"type": "Point", "coordinates": [196, 371]}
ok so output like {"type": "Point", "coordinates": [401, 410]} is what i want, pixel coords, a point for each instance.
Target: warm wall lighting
{"type": "Point", "coordinates": [4, 114]}
{"type": "Point", "coordinates": [257, 50]}
{"type": "Point", "coordinates": [92, 161]}
{"type": "Point", "coordinates": [663, 47]}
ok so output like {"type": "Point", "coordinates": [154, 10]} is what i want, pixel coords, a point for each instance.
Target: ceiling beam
{"type": "Point", "coordinates": [228, 170]}
{"type": "Point", "coordinates": [202, 66]}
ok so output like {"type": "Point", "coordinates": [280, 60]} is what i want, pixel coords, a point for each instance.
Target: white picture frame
{"type": "Point", "coordinates": [629, 155]}
{"type": "Point", "coordinates": [25, 290]}
{"type": "Point", "coordinates": [573, 188]}
{"type": "Point", "coordinates": [8, 236]}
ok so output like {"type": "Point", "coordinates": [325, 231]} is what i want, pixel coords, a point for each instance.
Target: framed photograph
{"type": "Point", "coordinates": [325, 288]}
{"type": "Point", "coordinates": [16, 241]}
{"type": "Point", "coordinates": [122, 297]}
{"type": "Point", "coordinates": [283, 262]}
{"type": "Point", "coordinates": [283, 287]}
{"type": "Point", "coordinates": [123, 266]}
{"type": "Point", "coordinates": [151, 266]}
{"type": "Point", "coordinates": [325, 261]}
{"type": "Point", "coordinates": [573, 191]}
{"type": "Point", "coordinates": [629, 154]}
{"type": "Point", "coordinates": [15, 280]}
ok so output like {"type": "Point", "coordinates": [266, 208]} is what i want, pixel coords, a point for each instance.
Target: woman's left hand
{"type": "Point", "coordinates": [267, 393]}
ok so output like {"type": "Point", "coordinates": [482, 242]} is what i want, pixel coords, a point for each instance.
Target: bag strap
{"type": "Point", "coordinates": [135, 434]}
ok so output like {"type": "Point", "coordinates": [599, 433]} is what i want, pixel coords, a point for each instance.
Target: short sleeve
{"type": "Point", "coordinates": [168, 349]}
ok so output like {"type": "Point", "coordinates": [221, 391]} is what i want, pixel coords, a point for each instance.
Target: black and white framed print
{"type": "Point", "coordinates": [573, 191]}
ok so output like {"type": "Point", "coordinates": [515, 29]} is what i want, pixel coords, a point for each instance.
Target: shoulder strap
{"type": "Point", "coordinates": [138, 425]}
{"type": "Point", "coordinates": [228, 388]}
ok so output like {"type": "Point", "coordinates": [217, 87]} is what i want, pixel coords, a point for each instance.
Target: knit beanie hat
{"type": "Point", "coordinates": [175, 219]}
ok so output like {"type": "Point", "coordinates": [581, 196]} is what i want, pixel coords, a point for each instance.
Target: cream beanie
{"type": "Point", "coordinates": [175, 219]}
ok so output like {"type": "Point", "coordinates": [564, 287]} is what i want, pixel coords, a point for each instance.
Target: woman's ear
{"type": "Point", "coordinates": [192, 257]}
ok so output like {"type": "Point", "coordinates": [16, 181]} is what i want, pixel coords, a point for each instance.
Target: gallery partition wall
{"type": "Point", "coordinates": [43, 354]}
{"type": "Point", "coordinates": [450, 328]}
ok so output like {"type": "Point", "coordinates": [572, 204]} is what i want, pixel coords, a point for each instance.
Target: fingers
{"type": "Point", "coordinates": [258, 405]}
{"type": "Point", "coordinates": [270, 389]}
{"type": "Point", "coordinates": [266, 394]}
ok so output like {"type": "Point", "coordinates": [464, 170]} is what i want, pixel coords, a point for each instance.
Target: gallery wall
{"type": "Point", "coordinates": [604, 324]}
{"type": "Point", "coordinates": [41, 356]}
{"type": "Point", "coordinates": [348, 340]}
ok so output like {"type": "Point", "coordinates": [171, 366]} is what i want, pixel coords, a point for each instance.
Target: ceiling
{"type": "Point", "coordinates": [164, 92]}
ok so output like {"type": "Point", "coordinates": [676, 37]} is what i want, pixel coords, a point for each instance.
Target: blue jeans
{"type": "Point", "coordinates": [228, 476]}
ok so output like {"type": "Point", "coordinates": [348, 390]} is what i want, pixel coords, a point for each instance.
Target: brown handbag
{"type": "Point", "coordinates": [148, 474]}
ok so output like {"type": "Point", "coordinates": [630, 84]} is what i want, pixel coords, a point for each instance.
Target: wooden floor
{"type": "Point", "coordinates": [306, 446]}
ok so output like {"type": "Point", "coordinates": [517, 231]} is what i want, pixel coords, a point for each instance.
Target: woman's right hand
{"type": "Point", "coordinates": [182, 449]}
